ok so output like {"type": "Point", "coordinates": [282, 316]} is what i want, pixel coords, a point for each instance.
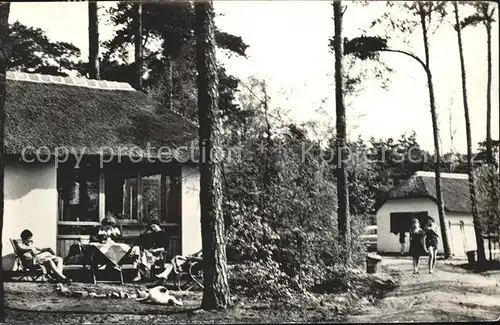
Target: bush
{"type": "Point", "coordinates": [262, 280]}
{"type": "Point", "coordinates": [280, 207]}
{"type": "Point", "coordinates": [276, 263]}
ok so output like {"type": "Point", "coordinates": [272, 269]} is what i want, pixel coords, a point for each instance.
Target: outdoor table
{"type": "Point", "coordinates": [114, 252]}
{"type": "Point", "coordinates": [111, 254]}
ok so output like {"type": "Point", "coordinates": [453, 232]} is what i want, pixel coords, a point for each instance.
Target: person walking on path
{"type": "Point", "coordinates": [431, 242]}
{"type": "Point", "coordinates": [416, 244]}
{"type": "Point", "coordinates": [402, 240]}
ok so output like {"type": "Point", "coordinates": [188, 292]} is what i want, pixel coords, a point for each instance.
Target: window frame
{"type": "Point", "coordinates": [412, 214]}
{"type": "Point", "coordinates": [172, 172]}
{"type": "Point", "coordinates": [61, 204]}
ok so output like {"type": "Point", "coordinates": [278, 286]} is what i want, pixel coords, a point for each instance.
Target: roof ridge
{"type": "Point", "coordinates": [443, 175]}
{"type": "Point", "coordinates": [69, 81]}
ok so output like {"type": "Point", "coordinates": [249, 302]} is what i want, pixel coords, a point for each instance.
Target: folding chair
{"type": "Point", "coordinates": [26, 266]}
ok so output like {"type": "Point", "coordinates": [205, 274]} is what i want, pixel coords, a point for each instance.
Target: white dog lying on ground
{"type": "Point", "coordinates": [158, 295]}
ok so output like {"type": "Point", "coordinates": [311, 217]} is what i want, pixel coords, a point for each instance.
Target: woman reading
{"type": "Point", "coordinates": [42, 256]}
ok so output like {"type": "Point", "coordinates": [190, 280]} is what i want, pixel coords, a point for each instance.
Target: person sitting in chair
{"type": "Point", "coordinates": [150, 249]}
{"type": "Point", "coordinates": [109, 231]}
{"type": "Point", "coordinates": [42, 256]}
{"type": "Point", "coordinates": [153, 239]}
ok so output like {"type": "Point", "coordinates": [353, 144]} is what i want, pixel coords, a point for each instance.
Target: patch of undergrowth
{"type": "Point", "coordinates": [338, 289]}
{"type": "Point", "coordinates": [262, 280]}
{"type": "Point", "coordinates": [485, 269]}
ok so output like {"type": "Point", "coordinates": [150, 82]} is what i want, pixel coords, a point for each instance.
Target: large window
{"type": "Point", "coordinates": [144, 196]}
{"type": "Point", "coordinates": [402, 221]}
{"type": "Point", "coordinates": [129, 199]}
{"type": "Point", "coordinates": [131, 195]}
{"type": "Point", "coordinates": [78, 194]}
{"type": "Point", "coordinates": [151, 196]}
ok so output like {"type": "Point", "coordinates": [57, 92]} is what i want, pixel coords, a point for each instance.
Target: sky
{"type": "Point", "coordinates": [288, 47]}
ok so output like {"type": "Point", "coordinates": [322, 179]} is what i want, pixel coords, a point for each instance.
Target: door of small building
{"type": "Point", "coordinates": [458, 238]}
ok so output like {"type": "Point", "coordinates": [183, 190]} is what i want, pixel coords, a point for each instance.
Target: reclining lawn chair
{"type": "Point", "coordinates": [26, 266]}
{"type": "Point", "coordinates": [189, 271]}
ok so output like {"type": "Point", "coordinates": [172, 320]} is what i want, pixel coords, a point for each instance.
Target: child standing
{"type": "Point", "coordinates": [431, 242]}
{"type": "Point", "coordinates": [402, 239]}
{"type": "Point", "coordinates": [416, 244]}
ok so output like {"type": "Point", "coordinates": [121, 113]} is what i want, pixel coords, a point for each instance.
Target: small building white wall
{"type": "Point", "coordinates": [388, 242]}
{"type": "Point", "coordinates": [462, 239]}
{"type": "Point", "coordinates": [30, 203]}
{"type": "Point", "coordinates": [191, 214]}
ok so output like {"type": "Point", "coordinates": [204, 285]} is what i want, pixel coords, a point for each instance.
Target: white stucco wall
{"type": "Point", "coordinates": [388, 242]}
{"type": "Point", "coordinates": [461, 240]}
{"type": "Point", "coordinates": [191, 225]}
{"type": "Point", "coordinates": [30, 203]}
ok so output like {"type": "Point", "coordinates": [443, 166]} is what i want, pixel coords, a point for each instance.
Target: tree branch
{"type": "Point", "coordinates": [408, 54]}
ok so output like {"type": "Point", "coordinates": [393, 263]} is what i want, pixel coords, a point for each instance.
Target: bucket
{"type": "Point", "coordinates": [372, 263]}
{"type": "Point", "coordinates": [471, 257]}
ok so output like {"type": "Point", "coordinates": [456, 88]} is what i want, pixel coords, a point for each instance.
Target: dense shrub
{"type": "Point", "coordinates": [287, 237]}
{"type": "Point", "coordinates": [281, 205]}
{"type": "Point", "coordinates": [488, 194]}
{"type": "Point", "coordinates": [262, 280]}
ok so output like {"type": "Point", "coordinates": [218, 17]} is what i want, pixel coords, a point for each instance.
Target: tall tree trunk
{"type": "Point", "coordinates": [342, 185]}
{"type": "Point", "coordinates": [168, 54]}
{"type": "Point", "coordinates": [169, 73]}
{"type": "Point", "coordinates": [481, 257]}
{"type": "Point", "coordinates": [93, 41]}
{"type": "Point", "coordinates": [489, 146]}
{"type": "Point", "coordinates": [4, 53]}
{"type": "Point", "coordinates": [216, 288]}
{"type": "Point", "coordinates": [267, 171]}
{"type": "Point", "coordinates": [435, 128]}
{"type": "Point", "coordinates": [138, 46]}
{"type": "Point", "coordinates": [170, 81]}
{"type": "Point", "coordinates": [487, 16]}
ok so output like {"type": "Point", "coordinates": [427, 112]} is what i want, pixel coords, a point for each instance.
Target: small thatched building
{"type": "Point", "coordinates": [78, 149]}
{"type": "Point", "coordinates": [416, 197]}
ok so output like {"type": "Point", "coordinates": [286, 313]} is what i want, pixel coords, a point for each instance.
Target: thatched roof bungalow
{"type": "Point", "coordinates": [78, 149]}
{"type": "Point", "coordinates": [416, 198]}
{"type": "Point", "coordinates": [88, 116]}
{"type": "Point", "coordinates": [455, 189]}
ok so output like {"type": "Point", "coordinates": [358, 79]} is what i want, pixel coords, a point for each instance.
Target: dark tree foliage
{"type": "Point", "coordinates": [284, 228]}
{"type": "Point", "coordinates": [171, 23]}
{"type": "Point", "coordinates": [168, 40]}
{"type": "Point", "coordinates": [365, 47]}
{"type": "Point", "coordinates": [494, 143]}
{"type": "Point", "coordinates": [34, 52]}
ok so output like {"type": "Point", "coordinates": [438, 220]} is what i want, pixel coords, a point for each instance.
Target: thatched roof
{"type": "Point", "coordinates": [455, 189]}
{"type": "Point", "coordinates": [89, 116]}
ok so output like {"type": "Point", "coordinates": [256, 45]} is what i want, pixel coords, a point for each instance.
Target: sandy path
{"type": "Point", "coordinates": [450, 294]}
